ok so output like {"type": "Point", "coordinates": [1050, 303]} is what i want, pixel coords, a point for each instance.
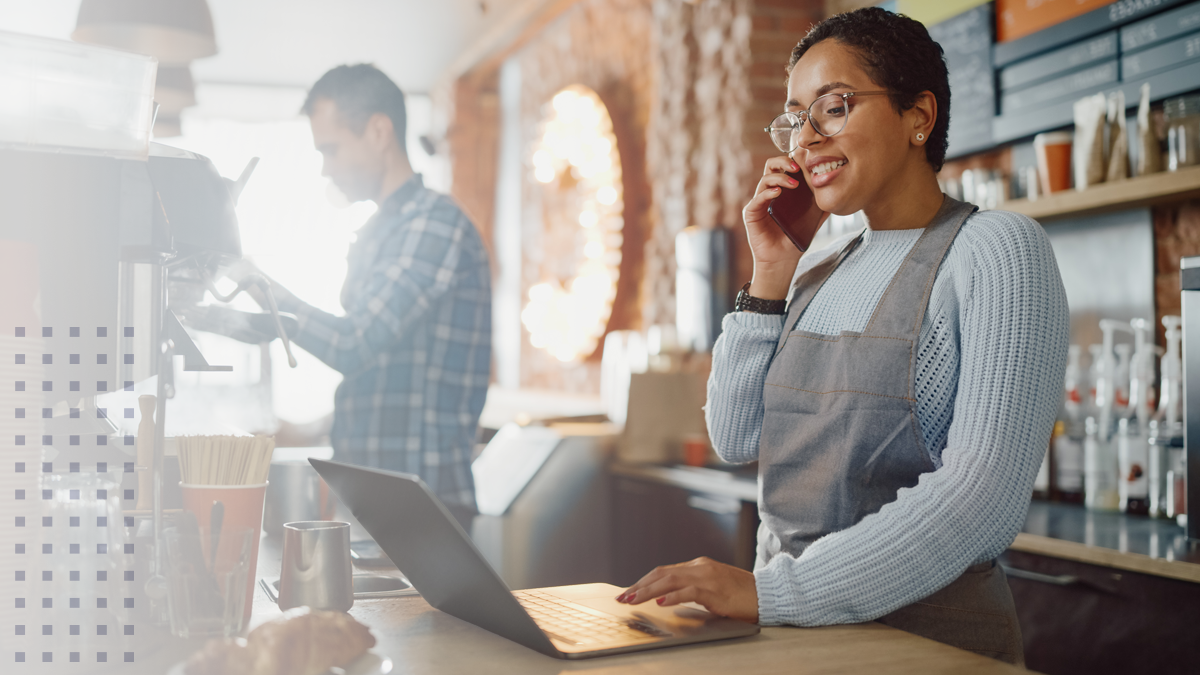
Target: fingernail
{"type": "Point", "coordinates": [793, 181]}
{"type": "Point", "coordinates": [621, 598]}
{"type": "Point", "coordinates": [661, 600]}
{"type": "Point", "coordinates": [631, 597]}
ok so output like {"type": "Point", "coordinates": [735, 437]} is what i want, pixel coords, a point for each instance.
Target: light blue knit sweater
{"type": "Point", "coordinates": [992, 355]}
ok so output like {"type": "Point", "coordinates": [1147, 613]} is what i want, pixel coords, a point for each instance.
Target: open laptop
{"type": "Point", "coordinates": [439, 559]}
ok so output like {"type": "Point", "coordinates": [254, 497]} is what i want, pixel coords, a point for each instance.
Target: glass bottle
{"type": "Point", "coordinates": [1099, 469]}
{"type": "Point", "coordinates": [1182, 115]}
{"type": "Point", "coordinates": [1133, 485]}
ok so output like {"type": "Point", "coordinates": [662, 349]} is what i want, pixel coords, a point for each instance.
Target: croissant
{"type": "Point", "coordinates": [230, 656]}
{"type": "Point", "coordinates": [301, 642]}
{"type": "Point", "coordinates": [305, 641]}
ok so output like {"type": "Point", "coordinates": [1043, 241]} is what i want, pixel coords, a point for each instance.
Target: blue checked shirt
{"type": "Point", "coordinates": [415, 345]}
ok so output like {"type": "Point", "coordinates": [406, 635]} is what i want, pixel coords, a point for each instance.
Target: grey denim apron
{"type": "Point", "coordinates": [840, 437]}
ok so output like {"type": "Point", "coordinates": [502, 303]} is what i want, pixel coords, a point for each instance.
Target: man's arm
{"type": "Point", "coordinates": [412, 274]}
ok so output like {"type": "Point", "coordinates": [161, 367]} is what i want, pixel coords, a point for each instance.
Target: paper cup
{"type": "Point", "coordinates": [243, 511]}
{"type": "Point", "coordinates": [1054, 160]}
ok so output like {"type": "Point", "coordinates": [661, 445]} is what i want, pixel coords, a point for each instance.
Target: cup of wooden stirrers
{"type": "Point", "coordinates": [230, 471]}
{"type": "Point", "coordinates": [224, 460]}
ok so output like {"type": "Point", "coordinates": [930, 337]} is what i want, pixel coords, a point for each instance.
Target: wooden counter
{"type": "Point", "coordinates": [1066, 531]}
{"type": "Point", "coordinates": [1106, 557]}
{"type": "Point", "coordinates": [420, 639]}
{"type": "Point", "coordinates": [1131, 543]}
{"type": "Point", "coordinates": [423, 640]}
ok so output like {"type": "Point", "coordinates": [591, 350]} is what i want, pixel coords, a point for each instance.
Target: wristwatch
{"type": "Point", "coordinates": [748, 303]}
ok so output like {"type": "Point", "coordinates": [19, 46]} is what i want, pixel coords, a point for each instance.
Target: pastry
{"type": "Point", "coordinates": [306, 641]}
{"type": "Point", "coordinates": [303, 641]}
{"type": "Point", "coordinates": [229, 656]}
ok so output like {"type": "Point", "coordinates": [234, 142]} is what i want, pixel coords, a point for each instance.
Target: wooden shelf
{"type": "Point", "coordinates": [1131, 193]}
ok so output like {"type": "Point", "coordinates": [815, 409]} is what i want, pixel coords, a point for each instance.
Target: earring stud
{"type": "Point", "coordinates": [920, 137]}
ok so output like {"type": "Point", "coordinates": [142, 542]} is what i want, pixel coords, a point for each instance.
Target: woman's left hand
{"type": "Point", "coordinates": [722, 589]}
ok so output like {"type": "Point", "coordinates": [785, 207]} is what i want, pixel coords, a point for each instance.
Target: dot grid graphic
{"type": "Point", "coordinates": [73, 566]}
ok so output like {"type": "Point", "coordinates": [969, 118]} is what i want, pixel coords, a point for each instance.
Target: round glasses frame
{"type": "Point", "coordinates": [789, 124]}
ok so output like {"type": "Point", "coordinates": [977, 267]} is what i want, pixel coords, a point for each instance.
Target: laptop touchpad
{"type": "Point", "coordinates": [688, 613]}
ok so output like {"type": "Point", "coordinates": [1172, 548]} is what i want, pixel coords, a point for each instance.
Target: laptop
{"type": "Point", "coordinates": [567, 622]}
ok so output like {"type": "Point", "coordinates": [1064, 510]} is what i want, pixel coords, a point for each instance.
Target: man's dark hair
{"type": "Point", "coordinates": [360, 91]}
{"type": "Point", "coordinates": [897, 54]}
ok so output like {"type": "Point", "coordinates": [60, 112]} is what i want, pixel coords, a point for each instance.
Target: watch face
{"type": "Point", "coordinates": [748, 303]}
{"type": "Point", "coordinates": [743, 301]}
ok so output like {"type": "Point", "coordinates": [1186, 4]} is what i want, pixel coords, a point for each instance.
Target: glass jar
{"type": "Point", "coordinates": [1182, 116]}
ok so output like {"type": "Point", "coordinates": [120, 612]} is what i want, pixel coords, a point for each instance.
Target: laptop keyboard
{"type": "Point", "coordinates": [571, 622]}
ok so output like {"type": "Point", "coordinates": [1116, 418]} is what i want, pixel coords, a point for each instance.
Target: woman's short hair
{"type": "Point", "coordinates": [897, 54]}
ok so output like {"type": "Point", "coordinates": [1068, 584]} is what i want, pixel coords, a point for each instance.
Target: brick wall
{"type": "Point", "coordinates": [689, 86]}
{"type": "Point", "coordinates": [469, 114]}
{"type": "Point", "coordinates": [603, 45]}
{"type": "Point", "coordinates": [777, 26]}
{"type": "Point", "coordinates": [1176, 235]}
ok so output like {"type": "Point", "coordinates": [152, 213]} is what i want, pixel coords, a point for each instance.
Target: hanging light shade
{"type": "Point", "coordinates": [167, 126]}
{"type": "Point", "coordinates": [174, 31]}
{"type": "Point", "coordinates": [174, 89]}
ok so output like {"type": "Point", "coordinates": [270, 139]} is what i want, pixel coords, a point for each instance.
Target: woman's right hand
{"type": "Point", "coordinates": [775, 256]}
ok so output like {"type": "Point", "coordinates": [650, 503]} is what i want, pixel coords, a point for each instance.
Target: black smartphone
{"type": "Point", "coordinates": [366, 553]}
{"type": "Point", "coordinates": [795, 211]}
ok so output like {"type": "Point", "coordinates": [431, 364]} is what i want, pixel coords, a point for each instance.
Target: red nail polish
{"type": "Point", "coordinates": [661, 600]}
{"type": "Point", "coordinates": [631, 597]}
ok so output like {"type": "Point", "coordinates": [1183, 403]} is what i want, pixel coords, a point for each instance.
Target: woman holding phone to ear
{"type": "Point", "coordinates": [900, 393]}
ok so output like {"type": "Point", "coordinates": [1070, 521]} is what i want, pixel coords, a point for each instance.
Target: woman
{"type": "Point", "coordinates": [900, 410]}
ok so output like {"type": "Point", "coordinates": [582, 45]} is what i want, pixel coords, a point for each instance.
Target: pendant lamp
{"type": "Point", "coordinates": [174, 31]}
{"type": "Point", "coordinates": [167, 126]}
{"type": "Point", "coordinates": [174, 89]}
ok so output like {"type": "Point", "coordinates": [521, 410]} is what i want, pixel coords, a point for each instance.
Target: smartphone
{"type": "Point", "coordinates": [795, 211]}
{"type": "Point", "coordinates": [366, 553]}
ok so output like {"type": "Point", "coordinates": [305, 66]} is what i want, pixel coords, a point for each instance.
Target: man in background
{"type": "Point", "coordinates": [414, 346]}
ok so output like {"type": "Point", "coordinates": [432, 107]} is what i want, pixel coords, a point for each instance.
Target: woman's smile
{"type": "Point", "coordinates": [824, 169]}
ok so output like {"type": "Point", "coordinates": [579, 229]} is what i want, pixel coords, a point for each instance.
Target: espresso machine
{"type": "Point", "coordinates": [104, 236]}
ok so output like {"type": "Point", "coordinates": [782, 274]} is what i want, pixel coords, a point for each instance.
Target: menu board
{"type": "Point", "coordinates": [966, 41]}
{"type": "Point", "coordinates": [1018, 18]}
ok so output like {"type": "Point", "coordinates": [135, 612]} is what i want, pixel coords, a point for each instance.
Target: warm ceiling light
{"type": "Point", "coordinates": [173, 31]}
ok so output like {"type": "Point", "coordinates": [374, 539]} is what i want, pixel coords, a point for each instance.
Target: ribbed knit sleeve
{"type": "Point", "coordinates": [1014, 328]}
{"type": "Point", "coordinates": [741, 357]}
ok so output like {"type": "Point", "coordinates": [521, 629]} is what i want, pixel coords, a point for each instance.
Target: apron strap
{"type": "Point", "coordinates": [912, 285]}
{"type": "Point", "coordinates": [808, 284]}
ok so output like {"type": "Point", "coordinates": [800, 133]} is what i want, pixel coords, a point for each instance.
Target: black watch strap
{"type": "Point", "coordinates": [748, 303]}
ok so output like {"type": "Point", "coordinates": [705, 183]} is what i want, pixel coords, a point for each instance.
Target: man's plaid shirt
{"type": "Point", "coordinates": [415, 344]}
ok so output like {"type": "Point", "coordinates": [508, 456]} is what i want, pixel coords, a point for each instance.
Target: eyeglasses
{"type": "Point", "coordinates": [827, 114]}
